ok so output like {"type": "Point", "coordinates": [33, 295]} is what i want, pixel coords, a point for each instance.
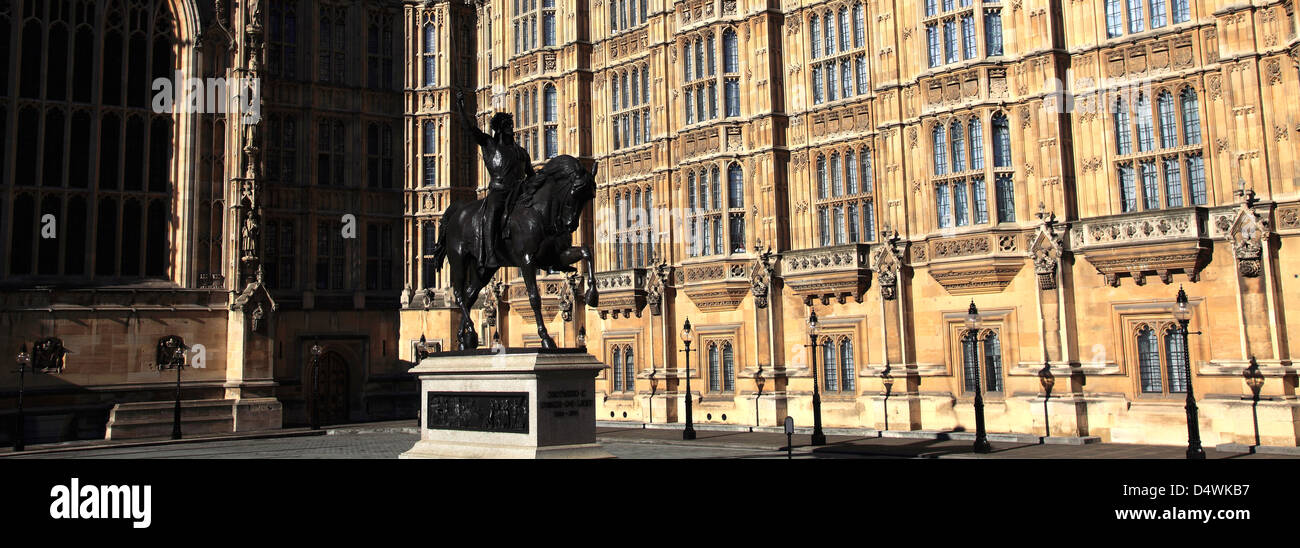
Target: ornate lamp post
{"type": "Point", "coordinates": [887, 380]}
{"type": "Point", "coordinates": [171, 355]}
{"type": "Point", "coordinates": [689, 432]}
{"type": "Point", "coordinates": [818, 438]}
{"type": "Point", "coordinates": [1047, 380]}
{"type": "Point", "coordinates": [759, 381]}
{"type": "Point", "coordinates": [1255, 380]}
{"type": "Point", "coordinates": [981, 437]}
{"type": "Point", "coordinates": [23, 360]}
{"type": "Point", "coordinates": [1184, 317]}
{"type": "Point", "coordinates": [315, 383]}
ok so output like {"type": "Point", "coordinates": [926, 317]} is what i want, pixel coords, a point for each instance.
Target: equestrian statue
{"type": "Point", "coordinates": [526, 221]}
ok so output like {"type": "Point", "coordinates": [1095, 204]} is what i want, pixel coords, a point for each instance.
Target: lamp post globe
{"type": "Point", "coordinates": [689, 432]}
{"type": "Point", "coordinates": [818, 437]}
{"type": "Point", "coordinates": [981, 436]}
{"type": "Point", "coordinates": [1183, 315]}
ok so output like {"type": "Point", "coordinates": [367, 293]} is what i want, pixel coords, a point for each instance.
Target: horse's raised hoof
{"type": "Point", "coordinates": [591, 296]}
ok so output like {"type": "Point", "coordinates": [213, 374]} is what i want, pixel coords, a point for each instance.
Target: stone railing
{"type": "Point", "coordinates": [621, 291]}
{"type": "Point", "coordinates": [837, 272]}
{"type": "Point", "coordinates": [1137, 244]}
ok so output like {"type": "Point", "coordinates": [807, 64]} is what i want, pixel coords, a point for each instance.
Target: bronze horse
{"type": "Point", "coordinates": [546, 210]}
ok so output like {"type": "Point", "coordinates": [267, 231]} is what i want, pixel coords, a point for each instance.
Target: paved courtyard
{"type": "Point", "coordinates": [388, 440]}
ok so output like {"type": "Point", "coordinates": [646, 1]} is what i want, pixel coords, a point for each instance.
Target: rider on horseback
{"type": "Point", "coordinates": [507, 163]}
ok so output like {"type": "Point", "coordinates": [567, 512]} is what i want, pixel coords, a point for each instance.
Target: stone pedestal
{"type": "Point", "coordinates": [518, 403]}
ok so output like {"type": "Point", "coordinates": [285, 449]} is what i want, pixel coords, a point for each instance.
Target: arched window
{"type": "Point", "coordinates": [859, 26]}
{"type": "Point", "coordinates": [1175, 361]}
{"type": "Point", "coordinates": [430, 54]}
{"type": "Point", "coordinates": [851, 177]}
{"type": "Point", "coordinates": [715, 384]}
{"type": "Point", "coordinates": [992, 363]}
{"type": "Point", "coordinates": [550, 119]}
{"type": "Point", "coordinates": [976, 144]}
{"type": "Point", "coordinates": [731, 65]}
{"type": "Point", "coordinates": [843, 18]}
{"type": "Point", "coordinates": [846, 364]}
{"type": "Point", "coordinates": [830, 373]}
{"type": "Point", "coordinates": [940, 150]}
{"type": "Point", "coordinates": [728, 368]}
{"type": "Point", "coordinates": [814, 36]}
{"type": "Point", "coordinates": [1149, 361]}
{"type": "Point", "coordinates": [1001, 141]}
{"type": "Point", "coordinates": [617, 366]}
{"type": "Point", "coordinates": [629, 370]}
{"type": "Point", "coordinates": [970, 363]}
{"type": "Point", "coordinates": [1168, 123]}
{"type": "Point", "coordinates": [1146, 140]}
{"type": "Point", "coordinates": [821, 178]}
{"type": "Point", "coordinates": [1191, 118]}
{"type": "Point", "coordinates": [66, 135]}
{"type": "Point", "coordinates": [1123, 133]}
{"type": "Point", "coordinates": [958, 148]}
{"type": "Point", "coordinates": [837, 177]}
{"type": "Point", "coordinates": [828, 29]}
{"type": "Point", "coordinates": [735, 187]}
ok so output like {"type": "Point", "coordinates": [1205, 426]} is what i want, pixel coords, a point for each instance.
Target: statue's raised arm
{"type": "Point", "coordinates": [471, 126]}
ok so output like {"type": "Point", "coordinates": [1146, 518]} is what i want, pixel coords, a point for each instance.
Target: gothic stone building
{"type": "Point", "coordinates": [1065, 166]}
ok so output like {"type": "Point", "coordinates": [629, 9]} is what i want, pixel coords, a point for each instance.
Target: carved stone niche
{"type": "Point", "coordinates": [839, 272]}
{"type": "Point", "coordinates": [621, 292]}
{"type": "Point", "coordinates": [716, 285]}
{"type": "Point", "coordinates": [1247, 234]}
{"type": "Point", "coordinates": [971, 264]}
{"type": "Point", "coordinates": [1137, 245]}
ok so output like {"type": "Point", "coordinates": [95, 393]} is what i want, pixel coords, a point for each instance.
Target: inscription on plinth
{"type": "Point", "coordinates": [479, 411]}
{"type": "Point", "coordinates": [565, 403]}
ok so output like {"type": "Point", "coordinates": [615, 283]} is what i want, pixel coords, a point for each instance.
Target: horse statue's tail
{"type": "Point", "coordinates": [439, 249]}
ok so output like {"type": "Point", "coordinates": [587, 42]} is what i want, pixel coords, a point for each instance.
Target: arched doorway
{"type": "Point", "coordinates": [333, 389]}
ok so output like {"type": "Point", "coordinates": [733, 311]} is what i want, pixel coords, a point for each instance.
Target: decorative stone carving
{"type": "Point", "coordinates": [887, 262]}
{"type": "Point", "coordinates": [1046, 248]}
{"type": "Point", "coordinates": [760, 276]}
{"type": "Point", "coordinates": [1143, 243]}
{"type": "Point", "coordinates": [1247, 235]}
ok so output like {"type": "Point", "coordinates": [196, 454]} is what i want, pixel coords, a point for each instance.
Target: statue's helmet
{"type": "Point", "coordinates": [502, 122]}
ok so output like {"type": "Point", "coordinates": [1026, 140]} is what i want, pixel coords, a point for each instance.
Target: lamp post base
{"type": "Point", "coordinates": [818, 438]}
{"type": "Point", "coordinates": [982, 446]}
{"type": "Point", "coordinates": [688, 433]}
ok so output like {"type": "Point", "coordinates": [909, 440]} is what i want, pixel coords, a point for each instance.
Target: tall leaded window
{"type": "Point", "coordinates": [838, 73]}
{"type": "Point", "coordinates": [960, 192]}
{"type": "Point", "coordinates": [982, 357]}
{"type": "Point", "coordinates": [1001, 141]}
{"type": "Point", "coordinates": [429, 158]}
{"type": "Point", "coordinates": [716, 218]}
{"type": "Point", "coordinates": [379, 156]}
{"type": "Point", "coordinates": [731, 68]}
{"type": "Point", "coordinates": [701, 84]}
{"type": "Point", "coordinates": [1136, 22]}
{"type": "Point", "coordinates": [63, 132]}
{"type": "Point", "coordinates": [550, 120]}
{"type": "Point", "coordinates": [728, 368]}
{"type": "Point", "coordinates": [331, 159]}
{"type": "Point", "coordinates": [715, 366]}
{"type": "Point", "coordinates": [282, 39]}
{"type": "Point", "coordinates": [379, 51]}
{"type": "Point", "coordinates": [940, 150]}
{"type": "Point", "coordinates": [1168, 167]}
{"type": "Point", "coordinates": [1114, 18]}
{"type": "Point", "coordinates": [617, 367]}
{"type": "Point", "coordinates": [330, 256]}
{"type": "Point", "coordinates": [954, 33]}
{"type": "Point", "coordinates": [630, 106]}
{"type": "Point", "coordinates": [524, 23]}
{"type": "Point", "coordinates": [1182, 11]}
{"type": "Point", "coordinates": [333, 44]}
{"type": "Point", "coordinates": [1162, 358]}
{"type": "Point", "coordinates": [629, 370]}
{"type": "Point", "coordinates": [279, 248]}
{"type": "Point", "coordinates": [846, 197]}
{"type": "Point", "coordinates": [430, 54]}
{"type": "Point", "coordinates": [548, 22]}
{"type": "Point", "coordinates": [379, 256]}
